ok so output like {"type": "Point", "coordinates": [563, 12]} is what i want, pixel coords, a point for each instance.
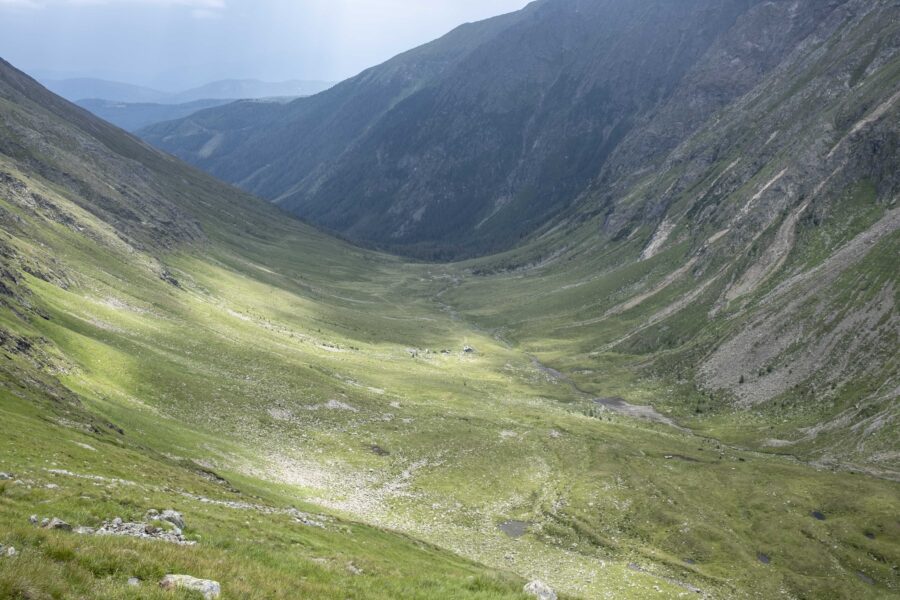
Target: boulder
{"type": "Point", "coordinates": [209, 589]}
{"type": "Point", "coordinates": [57, 524]}
{"type": "Point", "coordinates": [5, 476]}
{"type": "Point", "coordinates": [540, 590]}
{"type": "Point", "coordinates": [173, 517]}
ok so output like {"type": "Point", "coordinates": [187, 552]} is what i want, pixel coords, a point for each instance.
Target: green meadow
{"type": "Point", "coordinates": [269, 369]}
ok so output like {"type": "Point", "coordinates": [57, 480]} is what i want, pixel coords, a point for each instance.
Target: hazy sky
{"type": "Point", "coordinates": [179, 43]}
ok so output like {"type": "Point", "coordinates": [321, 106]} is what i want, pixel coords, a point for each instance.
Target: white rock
{"type": "Point", "coordinates": [209, 589]}
{"type": "Point", "coordinates": [57, 524]}
{"type": "Point", "coordinates": [173, 517]}
{"type": "Point", "coordinates": [540, 590]}
{"type": "Point", "coordinates": [10, 552]}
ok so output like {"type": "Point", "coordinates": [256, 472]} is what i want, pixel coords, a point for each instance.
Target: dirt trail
{"type": "Point", "coordinates": [638, 411]}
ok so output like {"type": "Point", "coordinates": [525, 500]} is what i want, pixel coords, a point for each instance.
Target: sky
{"type": "Point", "coordinates": [176, 44]}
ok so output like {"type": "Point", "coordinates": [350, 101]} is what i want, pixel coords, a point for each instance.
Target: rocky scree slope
{"type": "Point", "coordinates": [754, 262]}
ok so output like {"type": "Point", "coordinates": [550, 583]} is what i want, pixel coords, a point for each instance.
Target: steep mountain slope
{"type": "Point", "coordinates": [169, 341]}
{"type": "Point", "coordinates": [751, 269]}
{"type": "Point", "coordinates": [465, 144]}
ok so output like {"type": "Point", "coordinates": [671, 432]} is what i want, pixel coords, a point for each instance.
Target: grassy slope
{"type": "Point", "coordinates": [280, 362]}
{"type": "Point", "coordinates": [270, 322]}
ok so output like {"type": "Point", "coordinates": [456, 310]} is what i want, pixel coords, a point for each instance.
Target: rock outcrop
{"type": "Point", "coordinates": [540, 590]}
{"type": "Point", "coordinates": [207, 588]}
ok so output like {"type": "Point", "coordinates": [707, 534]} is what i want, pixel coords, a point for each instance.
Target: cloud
{"type": "Point", "coordinates": [200, 8]}
{"type": "Point", "coordinates": [206, 13]}
{"type": "Point", "coordinates": [19, 4]}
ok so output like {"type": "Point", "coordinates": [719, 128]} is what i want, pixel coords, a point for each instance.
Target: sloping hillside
{"type": "Point", "coordinates": [751, 269]}
{"type": "Point", "coordinates": [683, 382]}
{"type": "Point", "coordinates": [127, 378]}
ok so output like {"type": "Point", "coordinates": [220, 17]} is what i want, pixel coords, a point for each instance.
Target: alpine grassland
{"type": "Point", "coordinates": [681, 383]}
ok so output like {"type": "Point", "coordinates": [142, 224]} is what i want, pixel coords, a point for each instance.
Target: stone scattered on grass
{"type": "Point", "coordinates": [57, 524]}
{"type": "Point", "coordinates": [33, 519]}
{"type": "Point", "coordinates": [209, 589]}
{"type": "Point", "coordinates": [134, 582]}
{"type": "Point", "coordinates": [6, 476]}
{"type": "Point", "coordinates": [146, 531]}
{"type": "Point", "coordinates": [540, 590]}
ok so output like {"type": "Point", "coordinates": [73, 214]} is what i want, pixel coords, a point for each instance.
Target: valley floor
{"type": "Point", "coordinates": [332, 424]}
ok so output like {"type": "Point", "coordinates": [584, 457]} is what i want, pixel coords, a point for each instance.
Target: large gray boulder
{"type": "Point", "coordinates": [173, 517]}
{"type": "Point", "coordinates": [209, 589]}
{"type": "Point", "coordinates": [540, 590]}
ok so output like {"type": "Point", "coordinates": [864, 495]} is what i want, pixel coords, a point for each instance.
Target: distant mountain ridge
{"type": "Point", "coordinates": [250, 89]}
{"type": "Point", "coordinates": [134, 116]}
{"type": "Point", "coordinates": [79, 89]}
{"type": "Point", "coordinates": [85, 87]}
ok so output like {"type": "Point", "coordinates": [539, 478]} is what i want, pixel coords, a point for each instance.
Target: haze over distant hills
{"type": "Point", "coordinates": [228, 89]}
{"type": "Point", "coordinates": [133, 107]}
{"type": "Point", "coordinates": [135, 116]}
